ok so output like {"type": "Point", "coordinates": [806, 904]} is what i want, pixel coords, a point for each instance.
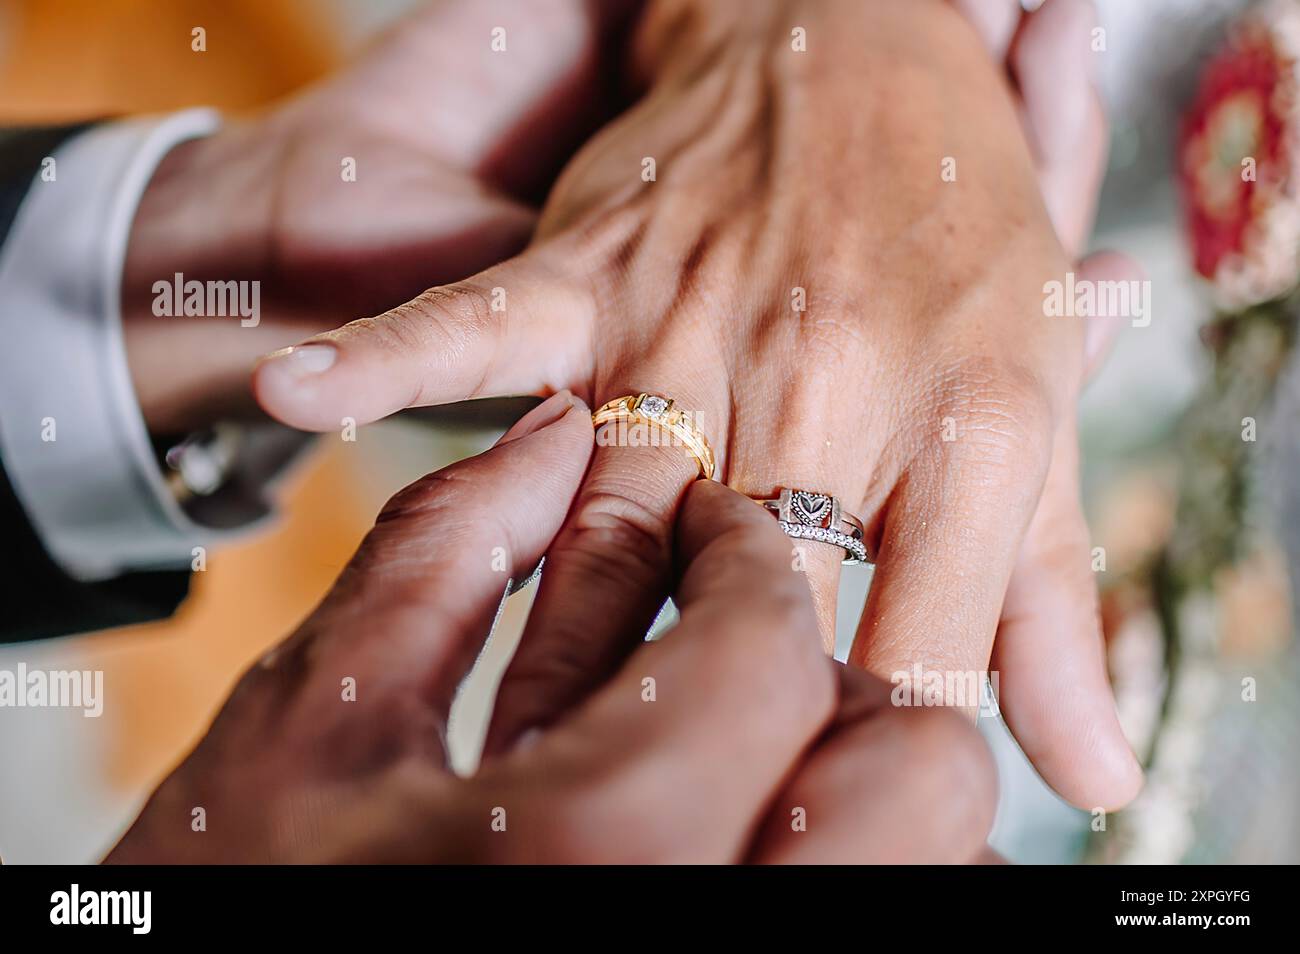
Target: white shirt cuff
{"type": "Point", "coordinates": [72, 437]}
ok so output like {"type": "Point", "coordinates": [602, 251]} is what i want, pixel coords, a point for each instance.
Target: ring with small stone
{"type": "Point", "coordinates": [805, 515]}
{"type": "Point", "coordinates": [662, 412]}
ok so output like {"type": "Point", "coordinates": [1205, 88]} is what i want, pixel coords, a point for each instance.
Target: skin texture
{"type": "Point", "coordinates": [778, 170]}
{"type": "Point", "coordinates": [289, 772]}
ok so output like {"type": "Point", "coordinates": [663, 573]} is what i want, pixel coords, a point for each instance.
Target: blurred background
{"type": "Point", "coordinates": [1200, 528]}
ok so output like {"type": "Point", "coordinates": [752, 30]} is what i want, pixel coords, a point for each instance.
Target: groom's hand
{"type": "Point", "coordinates": [322, 739]}
{"type": "Point", "coordinates": [419, 163]}
{"type": "Point", "coordinates": [732, 739]}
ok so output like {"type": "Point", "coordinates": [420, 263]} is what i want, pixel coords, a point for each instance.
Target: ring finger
{"type": "Point", "coordinates": [609, 570]}
{"type": "Point", "coordinates": [786, 448]}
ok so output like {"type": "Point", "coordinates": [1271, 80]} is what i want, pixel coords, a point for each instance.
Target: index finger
{"type": "Point", "coordinates": [410, 610]}
{"type": "Point", "coordinates": [698, 729]}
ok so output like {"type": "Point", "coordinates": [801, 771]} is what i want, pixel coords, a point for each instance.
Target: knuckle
{"type": "Point", "coordinates": [833, 343]}
{"type": "Point", "coordinates": [441, 325]}
{"type": "Point", "coordinates": [602, 239]}
{"type": "Point", "coordinates": [452, 315]}
{"type": "Point", "coordinates": [1000, 415]}
{"type": "Point", "coordinates": [451, 502]}
{"type": "Point", "coordinates": [1062, 558]}
{"type": "Point", "coordinates": [613, 232]}
{"type": "Point", "coordinates": [445, 496]}
{"type": "Point", "coordinates": [832, 330]}
{"type": "Point", "coordinates": [615, 536]}
{"type": "Point", "coordinates": [544, 681]}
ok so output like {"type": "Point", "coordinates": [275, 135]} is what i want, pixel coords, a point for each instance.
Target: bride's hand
{"type": "Point", "coordinates": [838, 264]}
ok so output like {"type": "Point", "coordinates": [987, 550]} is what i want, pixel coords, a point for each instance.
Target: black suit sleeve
{"type": "Point", "coordinates": [39, 599]}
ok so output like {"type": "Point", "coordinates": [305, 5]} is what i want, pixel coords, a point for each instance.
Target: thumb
{"type": "Point", "coordinates": [517, 328]}
{"type": "Point", "coordinates": [412, 607]}
{"type": "Point", "coordinates": [1054, 688]}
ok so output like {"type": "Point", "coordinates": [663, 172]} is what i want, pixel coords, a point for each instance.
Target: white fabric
{"type": "Point", "coordinates": [95, 493]}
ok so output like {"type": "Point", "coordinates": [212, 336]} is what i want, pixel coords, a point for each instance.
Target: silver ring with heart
{"type": "Point", "coordinates": [806, 515]}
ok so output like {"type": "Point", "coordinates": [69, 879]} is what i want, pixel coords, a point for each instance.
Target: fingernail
{"type": "Point", "coordinates": [548, 412]}
{"type": "Point", "coordinates": [304, 361]}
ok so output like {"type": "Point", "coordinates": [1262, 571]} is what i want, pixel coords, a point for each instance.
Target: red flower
{"type": "Point", "coordinates": [1238, 161]}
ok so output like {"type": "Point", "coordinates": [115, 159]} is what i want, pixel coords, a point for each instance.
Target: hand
{"type": "Point", "coordinates": [748, 724]}
{"type": "Point", "coordinates": [451, 142]}
{"type": "Point", "coordinates": [778, 171]}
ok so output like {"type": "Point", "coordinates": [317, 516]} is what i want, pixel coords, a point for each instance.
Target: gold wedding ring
{"type": "Point", "coordinates": [661, 412]}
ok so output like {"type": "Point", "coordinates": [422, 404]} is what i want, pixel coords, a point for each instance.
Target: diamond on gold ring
{"type": "Point", "coordinates": [662, 412]}
{"type": "Point", "coordinates": [652, 405]}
